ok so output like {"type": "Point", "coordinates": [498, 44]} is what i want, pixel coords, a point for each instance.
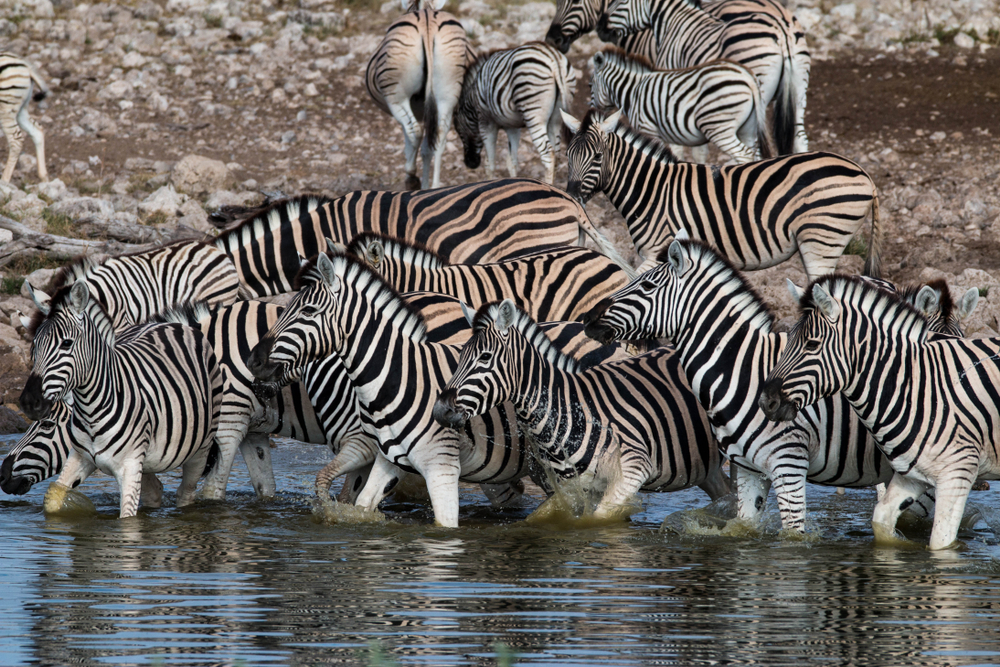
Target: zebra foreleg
{"type": "Point", "coordinates": [234, 422]}
{"type": "Point", "coordinates": [716, 484]}
{"type": "Point", "coordinates": [439, 465]}
{"type": "Point", "coordinates": [256, 451]}
{"type": "Point", "coordinates": [952, 493]}
{"type": "Point", "coordinates": [790, 490]}
{"type": "Point", "coordinates": [129, 477]}
{"type": "Point", "coordinates": [899, 495]}
{"type": "Point", "coordinates": [74, 471]}
{"type": "Point", "coordinates": [513, 141]}
{"type": "Point", "coordinates": [357, 451]}
{"type": "Point", "coordinates": [489, 132]}
{"type": "Point", "coordinates": [151, 492]}
{"type": "Point", "coordinates": [37, 137]}
{"type": "Point", "coordinates": [539, 133]}
{"type": "Point", "coordinates": [383, 477]}
{"type": "Point", "coordinates": [504, 495]}
{"type": "Point", "coordinates": [752, 488]}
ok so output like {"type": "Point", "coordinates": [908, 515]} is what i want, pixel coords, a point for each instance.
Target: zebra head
{"type": "Point", "coordinates": [934, 300]}
{"type": "Point", "coordinates": [394, 260]}
{"type": "Point", "coordinates": [821, 355]}
{"type": "Point", "coordinates": [625, 17]}
{"type": "Point", "coordinates": [467, 116]}
{"type": "Point", "coordinates": [573, 18]}
{"type": "Point", "coordinates": [64, 349]}
{"type": "Point", "coordinates": [308, 328]}
{"type": "Point", "coordinates": [39, 454]}
{"type": "Point", "coordinates": [614, 70]}
{"type": "Point", "coordinates": [588, 173]}
{"type": "Point", "coordinates": [487, 371]}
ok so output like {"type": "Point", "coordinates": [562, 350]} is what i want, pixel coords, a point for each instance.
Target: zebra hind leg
{"type": "Point", "coordinates": [129, 477]}
{"type": "Point", "coordinates": [952, 493]}
{"type": "Point", "coordinates": [356, 451]}
{"type": "Point", "coordinates": [151, 493]}
{"type": "Point", "coordinates": [15, 141]}
{"type": "Point", "coordinates": [256, 451]}
{"type": "Point", "coordinates": [412, 136]}
{"type": "Point", "coordinates": [513, 141]}
{"type": "Point", "coordinates": [37, 137]}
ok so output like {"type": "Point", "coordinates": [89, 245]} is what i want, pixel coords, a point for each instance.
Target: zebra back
{"type": "Point", "coordinates": [480, 222]}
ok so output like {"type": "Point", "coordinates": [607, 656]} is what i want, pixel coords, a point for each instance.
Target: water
{"type": "Point", "coordinates": [265, 583]}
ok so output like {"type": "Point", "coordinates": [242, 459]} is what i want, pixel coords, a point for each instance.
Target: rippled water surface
{"type": "Point", "coordinates": [260, 583]}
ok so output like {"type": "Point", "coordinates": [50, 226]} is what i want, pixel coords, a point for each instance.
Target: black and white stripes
{"type": "Point", "coordinates": [19, 83]}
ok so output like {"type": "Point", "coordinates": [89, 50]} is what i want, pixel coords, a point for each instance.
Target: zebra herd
{"type": "Point", "coordinates": [174, 357]}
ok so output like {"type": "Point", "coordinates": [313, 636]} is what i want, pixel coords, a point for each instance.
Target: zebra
{"type": "Point", "coordinates": [756, 214]}
{"type": "Point", "coordinates": [553, 285]}
{"type": "Point", "coordinates": [718, 102]}
{"type": "Point", "coordinates": [476, 223]}
{"type": "Point", "coordinates": [521, 87]}
{"type": "Point", "coordinates": [345, 309]}
{"type": "Point", "coordinates": [18, 81]}
{"type": "Point", "coordinates": [766, 44]}
{"type": "Point", "coordinates": [574, 18]}
{"type": "Point", "coordinates": [148, 403]}
{"type": "Point", "coordinates": [627, 426]}
{"type": "Point", "coordinates": [415, 76]}
{"type": "Point", "coordinates": [932, 404]}
{"type": "Point", "coordinates": [724, 338]}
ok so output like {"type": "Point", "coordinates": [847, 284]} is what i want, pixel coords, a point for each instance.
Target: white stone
{"type": "Point", "coordinates": [78, 208]}
{"type": "Point", "coordinates": [54, 189]}
{"type": "Point", "coordinates": [6, 236]}
{"type": "Point", "coordinates": [165, 200]}
{"type": "Point", "coordinates": [964, 41]}
{"type": "Point", "coordinates": [199, 175]}
{"type": "Point", "coordinates": [848, 11]}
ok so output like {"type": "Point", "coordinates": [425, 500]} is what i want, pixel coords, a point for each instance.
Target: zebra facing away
{"type": "Point", "coordinates": [525, 87]}
{"type": "Point", "coordinates": [630, 425]}
{"type": "Point", "coordinates": [18, 80]}
{"type": "Point", "coordinates": [415, 76]}
{"type": "Point", "coordinates": [146, 404]}
{"type": "Point", "coordinates": [766, 44]}
{"type": "Point", "coordinates": [717, 102]}
{"type": "Point", "coordinates": [932, 404]}
{"type": "Point", "coordinates": [757, 214]}
{"type": "Point", "coordinates": [474, 223]}
{"type": "Point", "coordinates": [722, 330]}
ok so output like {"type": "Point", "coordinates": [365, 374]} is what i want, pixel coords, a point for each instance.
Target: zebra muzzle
{"type": "Point", "coordinates": [259, 362]}
{"type": "Point", "coordinates": [594, 327]}
{"type": "Point", "coordinates": [554, 37]}
{"type": "Point", "coordinates": [446, 410]}
{"type": "Point", "coordinates": [33, 402]}
{"type": "Point", "coordinates": [15, 486]}
{"type": "Point", "coordinates": [774, 403]}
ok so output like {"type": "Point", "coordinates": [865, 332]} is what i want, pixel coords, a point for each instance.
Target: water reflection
{"type": "Point", "coordinates": [258, 583]}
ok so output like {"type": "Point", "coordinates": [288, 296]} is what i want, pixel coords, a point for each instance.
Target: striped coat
{"type": "Point", "coordinates": [18, 83]}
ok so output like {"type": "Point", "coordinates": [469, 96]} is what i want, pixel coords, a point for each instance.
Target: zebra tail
{"type": "Point", "coordinates": [565, 102]}
{"type": "Point", "coordinates": [765, 142]}
{"type": "Point", "coordinates": [214, 456]}
{"type": "Point", "coordinates": [873, 262]}
{"type": "Point", "coordinates": [430, 104]}
{"type": "Point", "coordinates": [605, 246]}
{"type": "Point", "coordinates": [784, 109]}
{"type": "Point", "coordinates": [43, 90]}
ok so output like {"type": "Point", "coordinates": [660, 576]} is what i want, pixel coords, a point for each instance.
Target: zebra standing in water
{"type": "Point", "coordinates": [932, 405]}
{"type": "Point", "coordinates": [147, 404]}
{"type": "Point", "coordinates": [717, 102]}
{"type": "Point", "coordinates": [722, 330]}
{"type": "Point", "coordinates": [765, 44]}
{"type": "Point", "coordinates": [526, 87]}
{"type": "Point", "coordinates": [18, 80]}
{"type": "Point", "coordinates": [475, 223]}
{"type": "Point", "coordinates": [757, 214]}
{"type": "Point", "coordinates": [632, 424]}
{"type": "Point", "coordinates": [415, 76]}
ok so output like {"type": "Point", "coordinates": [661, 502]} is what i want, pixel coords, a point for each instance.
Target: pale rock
{"type": "Point", "coordinates": [12, 305]}
{"type": "Point", "coordinates": [95, 122]}
{"type": "Point", "coordinates": [964, 41]}
{"type": "Point", "coordinates": [10, 192]}
{"type": "Point", "coordinates": [6, 236]}
{"type": "Point", "coordinates": [78, 208]}
{"type": "Point", "coordinates": [808, 17]}
{"type": "Point", "coordinates": [133, 59]}
{"type": "Point", "coordinates": [199, 175]}
{"type": "Point", "coordinates": [848, 11]}
{"type": "Point", "coordinates": [54, 189]}
{"type": "Point", "coordinates": [39, 279]}
{"type": "Point", "coordinates": [115, 90]}
{"type": "Point", "coordinates": [230, 198]}
{"type": "Point", "coordinates": [164, 200]}
{"type": "Point", "coordinates": [976, 278]}
{"type": "Point", "coordinates": [27, 163]}
{"type": "Point", "coordinates": [28, 206]}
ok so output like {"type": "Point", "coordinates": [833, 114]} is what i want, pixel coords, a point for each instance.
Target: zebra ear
{"type": "Point", "coordinates": [598, 59]}
{"type": "Point", "coordinates": [611, 122]}
{"type": "Point", "coordinates": [41, 300]}
{"type": "Point", "coordinates": [506, 314]}
{"type": "Point", "coordinates": [928, 300]}
{"type": "Point", "coordinates": [826, 303]}
{"type": "Point", "coordinates": [374, 253]}
{"type": "Point", "coordinates": [335, 248]}
{"type": "Point", "coordinates": [328, 271]}
{"type": "Point", "coordinates": [24, 319]}
{"type": "Point", "coordinates": [682, 234]}
{"type": "Point", "coordinates": [968, 303]}
{"type": "Point", "coordinates": [438, 4]}
{"type": "Point", "coordinates": [796, 291]}
{"type": "Point", "coordinates": [302, 260]}
{"type": "Point", "coordinates": [79, 295]}
{"type": "Point", "coordinates": [469, 315]}
{"type": "Point", "coordinates": [675, 256]}
{"type": "Point", "coordinates": [571, 123]}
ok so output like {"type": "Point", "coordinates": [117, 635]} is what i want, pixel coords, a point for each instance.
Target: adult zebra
{"type": "Point", "coordinates": [932, 404]}
{"type": "Point", "coordinates": [526, 86]}
{"type": "Point", "coordinates": [552, 285]}
{"type": "Point", "coordinates": [415, 76]}
{"type": "Point", "coordinates": [479, 222]}
{"type": "Point", "coordinates": [145, 404]}
{"type": "Point", "coordinates": [757, 214]}
{"type": "Point", "coordinates": [686, 36]}
{"type": "Point", "coordinates": [722, 330]}
{"type": "Point", "coordinates": [717, 102]}
{"type": "Point", "coordinates": [18, 80]}
{"type": "Point", "coordinates": [627, 426]}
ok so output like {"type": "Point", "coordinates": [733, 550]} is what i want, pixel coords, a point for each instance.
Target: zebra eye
{"type": "Point", "coordinates": [66, 344]}
{"type": "Point", "coordinates": [647, 286]}
{"type": "Point", "coordinates": [485, 357]}
{"type": "Point", "coordinates": [813, 345]}
{"type": "Point", "coordinates": [308, 310]}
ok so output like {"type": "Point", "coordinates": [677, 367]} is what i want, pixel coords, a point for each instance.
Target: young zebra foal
{"type": "Point", "coordinates": [638, 415]}
{"type": "Point", "coordinates": [17, 81]}
{"type": "Point", "coordinates": [147, 403]}
{"type": "Point", "coordinates": [717, 102]}
{"type": "Point", "coordinates": [932, 405]}
{"type": "Point", "coordinates": [525, 87]}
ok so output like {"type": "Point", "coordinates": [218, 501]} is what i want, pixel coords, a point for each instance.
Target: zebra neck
{"type": "Point", "coordinates": [885, 367]}
{"type": "Point", "coordinates": [104, 382]}
{"type": "Point", "coordinates": [544, 398]}
{"type": "Point", "coordinates": [373, 356]}
{"type": "Point", "coordinates": [634, 183]}
{"type": "Point", "coordinates": [672, 23]}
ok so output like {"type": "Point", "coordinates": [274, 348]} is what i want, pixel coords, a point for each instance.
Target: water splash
{"type": "Point", "coordinates": [718, 519]}
{"type": "Point", "coordinates": [331, 512]}
{"type": "Point", "coordinates": [573, 503]}
{"type": "Point", "coordinates": [61, 500]}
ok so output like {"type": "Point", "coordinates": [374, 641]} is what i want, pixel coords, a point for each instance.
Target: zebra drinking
{"type": "Point", "coordinates": [932, 404]}
{"type": "Point", "coordinates": [757, 214]}
{"type": "Point", "coordinates": [415, 76]}
{"type": "Point", "coordinates": [525, 87]}
{"type": "Point", "coordinates": [631, 425]}
{"type": "Point", "coordinates": [18, 80]}
{"type": "Point", "coordinates": [717, 102]}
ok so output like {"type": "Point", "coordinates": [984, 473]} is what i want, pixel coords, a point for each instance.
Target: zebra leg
{"type": "Point", "coordinates": [538, 130]}
{"type": "Point", "coordinates": [412, 137]}
{"type": "Point", "coordinates": [752, 488]}
{"type": "Point", "coordinates": [438, 464]}
{"type": "Point", "coordinates": [15, 141]}
{"type": "Point", "coordinates": [256, 451]}
{"type": "Point", "coordinates": [625, 482]}
{"type": "Point", "coordinates": [357, 451]}
{"type": "Point", "coordinates": [382, 478]}
{"type": "Point", "coordinates": [234, 422]}
{"type": "Point", "coordinates": [129, 476]}
{"type": "Point", "coordinates": [715, 485]}
{"type": "Point", "coordinates": [74, 471]}
{"type": "Point", "coordinates": [513, 141]}
{"type": "Point", "coordinates": [700, 153]}
{"type": "Point", "coordinates": [899, 495]}
{"type": "Point", "coordinates": [952, 493]}
{"type": "Point", "coordinates": [820, 256]}
{"type": "Point", "coordinates": [504, 495]}
{"type": "Point", "coordinates": [151, 491]}
{"type": "Point", "coordinates": [354, 482]}
{"type": "Point", "coordinates": [37, 137]}
{"type": "Point", "coordinates": [790, 490]}
{"type": "Point", "coordinates": [489, 132]}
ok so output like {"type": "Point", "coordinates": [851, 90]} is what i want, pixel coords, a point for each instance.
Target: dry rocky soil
{"type": "Point", "coordinates": [160, 111]}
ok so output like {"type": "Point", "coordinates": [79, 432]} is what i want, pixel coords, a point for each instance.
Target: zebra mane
{"type": "Point", "coordinates": [397, 249]}
{"type": "Point", "coordinates": [874, 301]}
{"type": "Point", "coordinates": [946, 304]}
{"type": "Point", "coordinates": [752, 305]}
{"type": "Point", "coordinates": [486, 317]}
{"type": "Point", "coordinates": [382, 296]}
{"type": "Point", "coordinates": [619, 57]}
{"type": "Point", "coordinates": [269, 218]}
{"type": "Point", "coordinates": [644, 144]}
{"type": "Point", "coordinates": [190, 314]}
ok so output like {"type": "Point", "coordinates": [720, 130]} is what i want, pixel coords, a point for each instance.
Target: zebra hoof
{"type": "Point", "coordinates": [412, 182]}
